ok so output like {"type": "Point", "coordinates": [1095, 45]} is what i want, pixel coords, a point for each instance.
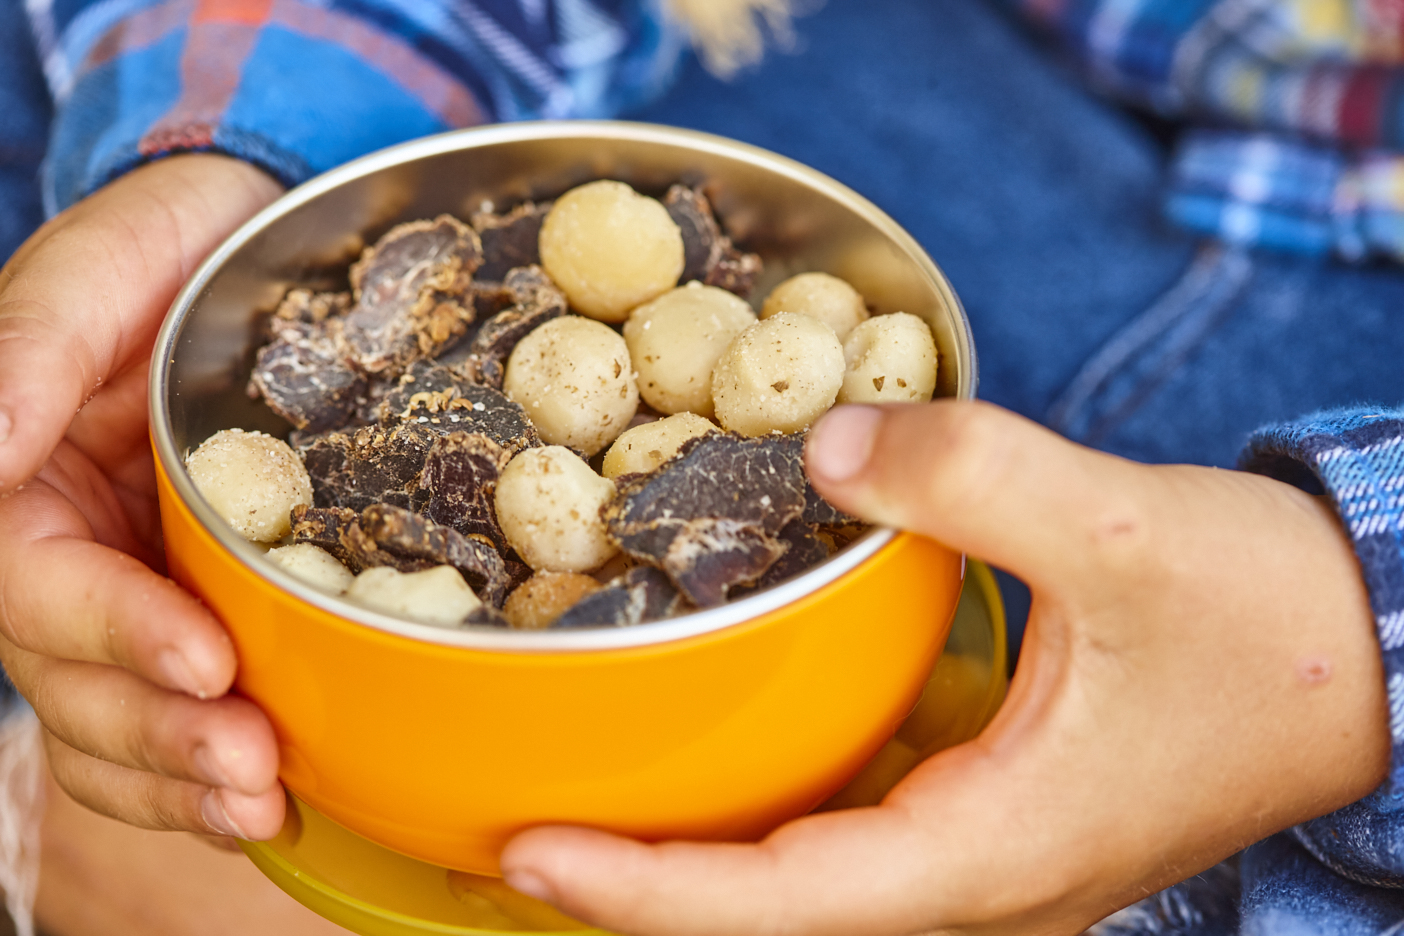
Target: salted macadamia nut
{"type": "Point", "coordinates": [545, 596]}
{"type": "Point", "coordinates": [890, 359]}
{"type": "Point", "coordinates": [252, 480]}
{"type": "Point", "coordinates": [827, 298]}
{"type": "Point", "coordinates": [780, 374]}
{"type": "Point", "coordinates": [436, 596]}
{"type": "Point", "coordinates": [610, 249]}
{"type": "Point", "coordinates": [313, 565]}
{"type": "Point", "coordinates": [548, 503]}
{"type": "Point", "coordinates": [675, 341]}
{"type": "Point", "coordinates": [644, 448]}
{"type": "Point", "coordinates": [576, 381]}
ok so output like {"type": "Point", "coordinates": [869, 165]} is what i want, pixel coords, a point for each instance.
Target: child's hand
{"type": "Point", "coordinates": [113, 656]}
{"type": "Point", "coordinates": [1200, 670]}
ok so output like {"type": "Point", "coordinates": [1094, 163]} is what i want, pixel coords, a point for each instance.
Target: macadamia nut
{"type": "Point", "coordinates": [825, 297]}
{"type": "Point", "coordinates": [890, 359]}
{"type": "Point", "coordinates": [675, 341]}
{"type": "Point", "coordinates": [436, 596]}
{"type": "Point", "coordinates": [313, 565]}
{"type": "Point", "coordinates": [780, 374]}
{"type": "Point", "coordinates": [545, 596]}
{"type": "Point", "coordinates": [575, 378]}
{"type": "Point", "coordinates": [252, 480]}
{"type": "Point", "coordinates": [609, 249]}
{"type": "Point", "coordinates": [644, 448]}
{"type": "Point", "coordinates": [548, 503]}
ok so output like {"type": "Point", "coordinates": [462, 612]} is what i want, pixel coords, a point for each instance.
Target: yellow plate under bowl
{"type": "Point", "coordinates": [377, 892]}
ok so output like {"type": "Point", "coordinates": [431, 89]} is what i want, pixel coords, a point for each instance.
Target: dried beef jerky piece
{"type": "Point", "coordinates": [411, 537]}
{"type": "Point", "coordinates": [304, 305]}
{"type": "Point", "coordinates": [736, 271]}
{"type": "Point", "coordinates": [538, 302]}
{"type": "Point", "coordinates": [638, 596]}
{"type": "Point", "coordinates": [510, 240]}
{"type": "Point", "coordinates": [805, 550]}
{"type": "Point", "coordinates": [820, 512]}
{"type": "Point", "coordinates": [325, 527]}
{"type": "Point", "coordinates": [305, 377]}
{"type": "Point", "coordinates": [404, 309]}
{"type": "Point", "coordinates": [709, 255]}
{"type": "Point", "coordinates": [373, 464]}
{"type": "Point", "coordinates": [459, 478]}
{"type": "Point", "coordinates": [710, 516]}
{"type": "Point", "coordinates": [339, 532]}
{"type": "Point", "coordinates": [441, 400]}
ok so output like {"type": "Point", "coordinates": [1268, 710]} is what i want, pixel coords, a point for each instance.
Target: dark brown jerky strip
{"type": "Point", "coordinates": [820, 512]}
{"type": "Point", "coordinates": [460, 480]}
{"type": "Point", "coordinates": [372, 465]}
{"type": "Point", "coordinates": [404, 310]}
{"type": "Point", "coordinates": [708, 254]}
{"type": "Point", "coordinates": [805, 550]}
{"type": "Point", "coordinates": [443, 401]}
{"type": "Point", "coordinates": [340, 533]}
{"type": "Point", "coordinates": [304, 305]}
{"type": "Point", "coordinates": [710, 516]}
{"type": "Point", "coordinates": [412, 537]}
{"type": "Point", "coordinates": [638, 596]}
{"type": "Point", "coordinates": [324, 527]}
{"type": "Point", "coordinates": [510, 240]}
{"type": "Point", "coordinates": [305, 377]}
{"type": "Point", "coordinates": [538, 302]}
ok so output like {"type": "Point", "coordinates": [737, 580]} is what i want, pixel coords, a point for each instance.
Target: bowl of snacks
{"type": "Point", "coordinates": [487, 449]}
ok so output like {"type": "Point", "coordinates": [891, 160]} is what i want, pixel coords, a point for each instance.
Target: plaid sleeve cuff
{"type": "Point", "coordinates": [299, 86]}
{"type": "Point", "coordinates": [1271, 192]}
{"type": "Point", "coordinates": [1357, 458]}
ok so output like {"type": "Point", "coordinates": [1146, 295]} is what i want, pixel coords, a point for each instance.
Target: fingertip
{"type": "Point", "coordinates": [553, 863]}
{"type": "Point", "coordinates": [251, 818]}
{"type": "Point", "coordinates": [841, 444]}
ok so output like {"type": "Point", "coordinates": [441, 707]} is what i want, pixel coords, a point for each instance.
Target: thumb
{"type": "Point", "coordinates": [81, 301]}
{"type": "Point", "coordinates": [976, 477]}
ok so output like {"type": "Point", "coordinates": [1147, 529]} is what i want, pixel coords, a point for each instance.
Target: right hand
{"type": "Point", "coordinates": [128, 673]}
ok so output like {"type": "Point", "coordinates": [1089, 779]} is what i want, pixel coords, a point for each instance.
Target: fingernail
{"type": "Point", "coordinates": [531, 884]}
{"type": "Point", "coordinates": [6, 424]}
{"type": "Point", "coordinates": [217, 817]}
{"type": "Point", "coordinates": [209, 767]}
{"type": "Point", "coordinates": [177, 671]}
{"type": "Point", "coordinates": [841, 444]}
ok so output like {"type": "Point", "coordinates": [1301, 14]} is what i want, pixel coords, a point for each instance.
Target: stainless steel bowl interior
{"type": "Point", "coordinates": [796, 218]}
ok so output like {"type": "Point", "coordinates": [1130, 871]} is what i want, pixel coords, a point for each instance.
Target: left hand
{"type": "Point", "coordinates": [1200, 670]}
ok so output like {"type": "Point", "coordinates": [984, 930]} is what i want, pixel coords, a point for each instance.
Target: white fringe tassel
{"type": "Point", "coordinates": [727, 33]}
{"type": "Point", "coordinates": [21, 814]}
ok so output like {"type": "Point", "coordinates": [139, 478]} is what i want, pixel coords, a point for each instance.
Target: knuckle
{"type": "Point", "coordinates": [972, 454]}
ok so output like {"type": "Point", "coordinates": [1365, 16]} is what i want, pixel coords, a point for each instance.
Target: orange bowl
{"type": "Point", "coordinates": [441, 744]}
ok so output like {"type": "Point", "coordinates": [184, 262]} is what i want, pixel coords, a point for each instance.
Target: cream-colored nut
{"type": "Point", "coordinates": [780, 374]}
{"type": "Point", "coordinates": [436, 596]}
{"type": "Point", "coordinates": [827, 298]}
{"type": "Point", "coordinates": [548, 503]}
{"type": "Point", "coordinates": [252, 480]}
{"type": "Point", "coordinates": [576, 381]}
{"type": "Point", "coordinates": [313, 565]}
{"type": "Point", "coordinates": [644, 448]}
{"type": "Point", "coordinates": [541, 599]}
{"type": "Point", "coordinates": [675, 341]}
{"type": "Point", "coordinates": [610, 249]}
{"type": "Point", "coordinates": [889, 359]}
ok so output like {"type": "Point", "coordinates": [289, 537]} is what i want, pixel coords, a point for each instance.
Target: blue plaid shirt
{"type": "Point", "coordinates": [1299, 100]}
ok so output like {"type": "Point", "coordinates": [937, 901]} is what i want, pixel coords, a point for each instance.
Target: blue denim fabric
{"type": "Point", "coordinates": [25, 114]}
